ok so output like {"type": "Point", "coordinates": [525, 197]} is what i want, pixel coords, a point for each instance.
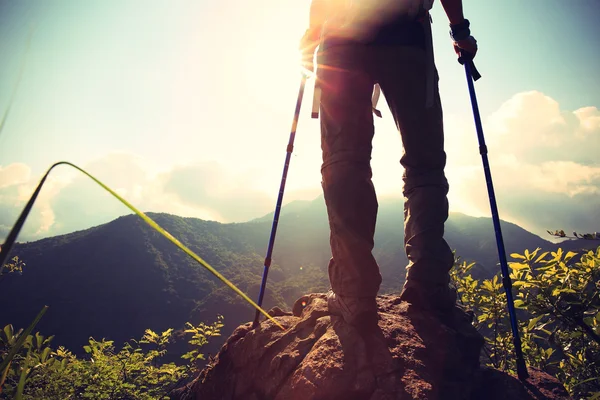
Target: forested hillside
{"type": "Point", "coordinates": [117, 279]}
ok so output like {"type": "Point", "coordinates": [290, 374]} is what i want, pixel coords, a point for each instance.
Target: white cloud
{"type": "Point", "coordinates": [532, 127]}
{"type": "Point", "coordinates": [14, 174]}
{"type": "Point", "coordinates": [231, 194]}
{"type": "Point", "coordinates": [71, 201]}
{"type": "Point", "coordinates": [544, 163]}
{"type": "Point", "coordinates": [16, 191]}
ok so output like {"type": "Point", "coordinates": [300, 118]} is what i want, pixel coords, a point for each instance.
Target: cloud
{"type": "Point", "coordinates": [532, 126]}
{"type": "Point", "coordinates": [543, 159]}
{"type": "Point", "coordinates": [71, 201]}
{"type": "Point", "coordinates": [14, 174]}
{"type": "Point", "coordinates": [544, 163]}
{"type": "Point", "coordinates": [12, 201]}
{"type": "Point", "coordinates": [82, 203]}
{"type": "Point", "coordinates": [231, 194]}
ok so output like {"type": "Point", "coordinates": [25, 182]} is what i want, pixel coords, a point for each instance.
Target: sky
{"type": "Point", "coordinates": [186, 106]}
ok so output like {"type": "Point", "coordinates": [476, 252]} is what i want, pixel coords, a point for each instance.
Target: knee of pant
{"type": "Point", "coordinates": [435, 179]}
{"type": "Point", "coordinates": [423, 200]}
{"type": "Point", "coordinates": [438, 188]}
{"type": "Point", "coordinates": [345, 171]}
{"type": "Point", "coordinates": [347, 158]}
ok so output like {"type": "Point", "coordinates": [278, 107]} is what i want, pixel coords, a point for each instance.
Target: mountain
{"type": "Point", "coordinates": [293, 207]}
{"type": "Point", "coordinates": [117, 279]}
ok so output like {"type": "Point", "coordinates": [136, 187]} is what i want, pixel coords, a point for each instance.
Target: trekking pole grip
{"type": "Point", "coordinates": [465, 57]}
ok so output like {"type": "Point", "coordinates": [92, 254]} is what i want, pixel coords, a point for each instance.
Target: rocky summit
{"type": "Point", "coordinates": [412, 355]}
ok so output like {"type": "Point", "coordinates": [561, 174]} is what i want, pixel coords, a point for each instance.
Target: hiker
{"type": "Point", "coordinates": [385, 42]}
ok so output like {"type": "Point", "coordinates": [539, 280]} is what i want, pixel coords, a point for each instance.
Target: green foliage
{"type": "Point", "coordinates": [134, 372]}
{"type": "Point", "coordinates": [587, 236]}
{"type": "Point", "coordinates": [200, 335]}
{"type": "Point", "coordinates": [99, 265]}
{"type": "Point", "coordinates": [14, 343]}
{"type": "Point", "coordinates": [15, 265]}
{"type": "Point", "coordinates": [558, 302]}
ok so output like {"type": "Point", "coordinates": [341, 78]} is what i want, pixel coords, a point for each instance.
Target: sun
{"type": "Point", "coordinates": [272, 67]}
{"type": "Point", "coordinates": [271, 58]}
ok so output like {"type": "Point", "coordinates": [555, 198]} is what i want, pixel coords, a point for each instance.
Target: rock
{"type": "Point", "coordinates": [413, 355]}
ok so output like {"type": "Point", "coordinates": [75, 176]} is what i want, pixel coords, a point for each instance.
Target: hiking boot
{"type": "Point", "coordinates": [357, 311]}
{"type": "Point", "coordinates": [439, 299]}
{"type": "Point", "coordinates": [440, 302]}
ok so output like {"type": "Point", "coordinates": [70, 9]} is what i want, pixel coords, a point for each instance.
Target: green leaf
{"type": "Point", "coordinates": [569, 255]}
{"type": "Point", "coordinates": [519, 266]}
{"type": "Point", "coordinates": [519, 303]}
{"type": "Point", "coordinates": [45, 354]}
{"type": "Point", "coordinates": [533, 321]}
{"type": "Point", "coordinates": [487, 284]}
{"type": "Point", "coordinates": [24, 372]}
{"type": "Point", "coordinates": [546, 268]}
{"type": "Point", "coordinates": [9, 332]}
{"type": "Point", "coordinates": [3, 376]}
{"type": "Point", "coordinates": [17, 346]}
{"type": "Point", "coordinates": [542, 256]}
{"type": "Point", "coordinates": [575, 335]}
{"type": "Point", "coordinates": [526, 284]}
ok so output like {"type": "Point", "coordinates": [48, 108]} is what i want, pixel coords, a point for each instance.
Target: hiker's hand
{"type": "Point", "coordinates": [308, 45]}
{"type": "Point", "coordinates": [467, 46]}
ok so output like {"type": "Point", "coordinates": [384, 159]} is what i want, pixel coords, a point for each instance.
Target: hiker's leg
{"type": "Point", "coordinates": [346, 135]}
{"type": "Point", "coordinates": [403, 80]}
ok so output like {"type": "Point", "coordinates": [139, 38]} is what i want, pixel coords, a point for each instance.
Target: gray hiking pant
{"type": "Point", "coordinates": [347, 74]}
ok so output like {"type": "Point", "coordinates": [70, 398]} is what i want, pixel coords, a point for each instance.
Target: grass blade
{"type": "Point", "coordinates": [22, 378]}
{"type": "Point", "coordinates": [3, 377]}
{"type": "Point", "coordinates": [12, 236]}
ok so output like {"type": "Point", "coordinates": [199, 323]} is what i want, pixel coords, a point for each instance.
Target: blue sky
{"type": "Point", "coordinates": [185, 107]}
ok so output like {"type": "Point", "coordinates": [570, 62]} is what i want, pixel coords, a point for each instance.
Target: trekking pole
{"type": "Point", "coordinates": [473, 75]}
{"type": "Point", "coordinates": [290, 149]}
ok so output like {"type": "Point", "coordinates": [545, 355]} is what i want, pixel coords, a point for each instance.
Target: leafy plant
{"type": "Point", "coordinates": [12, 343]}
{"type": "Point", "coordinates": [558, 302]}
{"type": "Point", "coordinates": [200, 335]}
{"type": "Point", "coordinates": [15, 265]}
{"type": "Point", "coordinates": [562, 297]}
{"type": "Point", "coordinates": [133, 372]}
{"type": "Point", "coordinates": [588, 236]}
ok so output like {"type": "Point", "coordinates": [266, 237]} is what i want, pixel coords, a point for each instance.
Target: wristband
{"type": "Point", "coordinates": [460, 31]}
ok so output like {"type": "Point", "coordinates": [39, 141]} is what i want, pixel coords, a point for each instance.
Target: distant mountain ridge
{"type": "Point", "coordinates": [119, 278]}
